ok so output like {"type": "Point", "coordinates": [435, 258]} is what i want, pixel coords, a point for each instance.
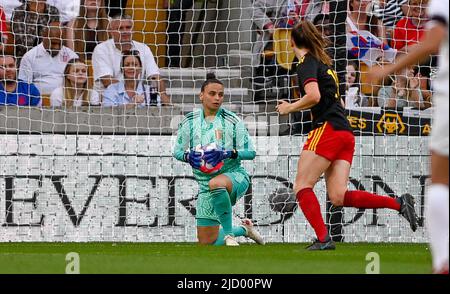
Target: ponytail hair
{"type": "Point", "coordinates": [210, 79]}
{"type": "Point", "coordinates": [305, 35]}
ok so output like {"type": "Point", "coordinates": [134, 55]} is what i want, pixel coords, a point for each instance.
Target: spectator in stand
{"type": "Point", "coordinates": [131, 90]}
{"type": "Point", "coordinates": [107, 56]}
{"type": "Point", "coordinates": [74, 91]}
{"type": "Point", "coordinates": [116, 7]}
{"type": "Point", "coordinates": [44, 64]}
{"type": "Point", "coordinates": [9, 6]}
{"type": "Point", "coordinates": [89, 29]}
{"type": "Point", "coordinates": [424, 75]}
{"type": "Point", "coordinates": [359, 19]}
{"type": "Point", "coordinates": [3, 30]}
{"type": "Point", "coordinates": [28, 23]}
{"type": "Point", "coordinates": [177, 10]}
{"type": "Point", "coordinates": [13, 91]}
{"type": "Point", "coordinates": [353, 96]}
{"type": "Point", "coordinates": [362, 24]}
{"type": "Point", "coordinates": [416, 94]}
{"type": "Point", "coordinates": [323, 24]}
{"type": "Point", "coordinates": [410, 30]}
{"type": "Point", "coordinates": [390, 12]}
{"type": "Point", "coordinates": [68, 9]}
{"type": "Point", "coordinates": [269, 15]}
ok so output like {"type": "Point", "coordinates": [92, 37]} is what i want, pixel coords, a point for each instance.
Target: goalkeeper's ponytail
{"type": "Point", "coordinates": [210, 79]}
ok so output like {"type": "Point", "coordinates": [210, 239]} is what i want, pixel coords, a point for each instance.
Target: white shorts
{"type": "Point", "coordinates": [439, 130]}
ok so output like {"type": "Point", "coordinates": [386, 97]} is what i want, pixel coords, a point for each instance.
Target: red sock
{"type": "Point", "coordinates": [363, 199]}
{"type": "Point", "coordinates": [310, 206]}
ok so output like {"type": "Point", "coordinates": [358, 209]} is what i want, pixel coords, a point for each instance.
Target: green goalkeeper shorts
{"type": "Point", "coordinates": [205, 211]}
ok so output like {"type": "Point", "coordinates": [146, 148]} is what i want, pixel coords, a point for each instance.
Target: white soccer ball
{"type": "Point", "coordinates": [206, 167]}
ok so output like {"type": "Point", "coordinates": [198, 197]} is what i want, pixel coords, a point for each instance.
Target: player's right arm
{"type": "Point", "coordinates": [182, 150]}
{"type": "Point", "coordinates": [430, 44]}
{"type": "Point", "coordinates": [182, 142]}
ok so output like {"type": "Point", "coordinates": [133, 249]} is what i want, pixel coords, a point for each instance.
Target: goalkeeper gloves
{"type": "Point", "coordinates": [194, 158]}
{"type": "Point", "coordinates": [217, 155]}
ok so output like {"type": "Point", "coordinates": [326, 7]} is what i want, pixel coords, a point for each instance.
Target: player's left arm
{"type": "Point", "coordinates": [244, 146]}
{"type": "Point", "coordinates": [308, 101]}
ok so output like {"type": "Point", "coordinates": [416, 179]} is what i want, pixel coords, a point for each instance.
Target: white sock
{"type": "Point", "coordinates": [436, 213]}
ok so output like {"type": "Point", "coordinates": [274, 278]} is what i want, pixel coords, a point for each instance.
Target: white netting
{"type": "Point", "coordinates": [73, 168]}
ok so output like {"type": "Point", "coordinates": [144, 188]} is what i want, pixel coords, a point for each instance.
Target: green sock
{"type": "Point", "coordinates": [237, 232]}
{"type": "Point", "coordinates": [222, 207]}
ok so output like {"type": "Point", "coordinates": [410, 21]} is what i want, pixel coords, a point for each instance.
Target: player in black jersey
{"type": "Point", "coordinates": [331, 144]}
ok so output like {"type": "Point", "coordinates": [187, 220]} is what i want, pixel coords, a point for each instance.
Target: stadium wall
{"type": "Point", "coordinates": [61, 188]}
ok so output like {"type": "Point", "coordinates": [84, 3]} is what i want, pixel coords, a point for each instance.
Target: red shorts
{"type": "Point", "coordinates": [331, 144]}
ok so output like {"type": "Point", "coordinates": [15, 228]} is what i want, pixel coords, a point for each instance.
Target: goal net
{"type": "Point", "coordinates": [99, 166]}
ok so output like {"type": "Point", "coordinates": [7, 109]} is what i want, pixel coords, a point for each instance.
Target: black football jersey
{"type": "Point", "coordinates": [309, 69]}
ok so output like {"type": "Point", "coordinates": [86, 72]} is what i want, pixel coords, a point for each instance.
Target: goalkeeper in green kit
{"type": "Point", "coordinates": [214, 141]}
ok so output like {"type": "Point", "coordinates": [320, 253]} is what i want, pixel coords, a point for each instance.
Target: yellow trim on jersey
{"type": "Point", "coordinates": [311, 134]}
{"type": "Point", "coordinates": [317, 136]}
{"type": "Point", "coordinates": [314, 139]}
{"type": "Point", "coordinates": [302, 59]}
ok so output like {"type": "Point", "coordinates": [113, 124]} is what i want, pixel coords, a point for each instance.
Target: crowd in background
{"type": "Point", "coordinates": [75, 53]}
{"type": "Point", "coordinates": [46, 58]}
{"type": "Point", "coordinates": [377, 32]}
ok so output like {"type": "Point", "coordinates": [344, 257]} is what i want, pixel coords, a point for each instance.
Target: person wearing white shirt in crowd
{"type": "Point", "coordinates": [74, 91]}
{"type": "Point", "coordinates": [107, 56]}
{"type": "Point", "coordinates": [44, 64]}
{"type": "Point", "coordinates": [9, 6]}
{"type": "Point", "coordinates": [67, 8]}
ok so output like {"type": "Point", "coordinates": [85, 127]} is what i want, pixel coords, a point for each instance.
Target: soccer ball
{"type": "Point", "coordinates": [282, 200]}
{"type": "Point", "coordinates": [206, 167]}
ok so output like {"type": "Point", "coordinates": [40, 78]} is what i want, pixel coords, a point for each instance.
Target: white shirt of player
{"type": "Point", "coordinates": [438, 11]}
{"type": "Point", "coordinates": [107, 59]}
{"type": "Point", "coordinates": [57, 97]}
{"type": "Point", "coordinates": [43, 70]}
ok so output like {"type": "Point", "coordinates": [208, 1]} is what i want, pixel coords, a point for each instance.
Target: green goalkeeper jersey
{"type": "Point", "coordinates": [227, 130]}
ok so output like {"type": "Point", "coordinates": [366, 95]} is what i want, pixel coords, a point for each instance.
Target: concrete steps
{"type": "Point", "coordinates": [191, 95]}
{"type": "Point", "coordinates": [184, 84]}
{"type": "Point", "coordinates": [194, 77]}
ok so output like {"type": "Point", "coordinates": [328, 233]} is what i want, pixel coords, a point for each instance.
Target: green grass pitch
{"type": "Point", "coordinates": [189, 258]}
